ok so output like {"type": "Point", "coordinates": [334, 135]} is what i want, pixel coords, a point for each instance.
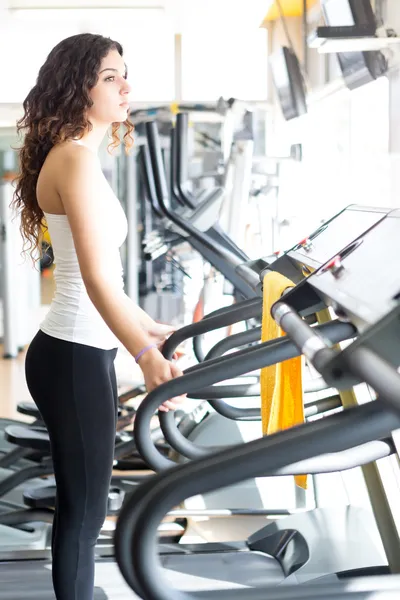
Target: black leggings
{"type": "Point", "coordinates": [75, 389]}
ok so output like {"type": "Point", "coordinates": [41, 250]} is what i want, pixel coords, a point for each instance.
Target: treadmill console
{"type": "Point", "coordinates": [326, 241]}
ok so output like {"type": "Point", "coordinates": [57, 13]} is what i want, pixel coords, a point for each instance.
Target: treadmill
{"type": "Point", "coordinates": [224, 259]}
{"type": "Point", "coordinates": [297, 263]}
{"type": "Point", "coordinates": [288, 550]}
{"type": "Point", "coordinates": [232, 424]}
{"type": "Point", "coordinates": [354, 426]}
{"type": "Point", "coordinates": [179, 162]}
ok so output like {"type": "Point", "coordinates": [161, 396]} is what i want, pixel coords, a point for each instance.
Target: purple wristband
{"type": "Point", "coordinates": [145, 350]}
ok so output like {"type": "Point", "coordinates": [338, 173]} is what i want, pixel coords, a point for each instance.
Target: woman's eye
{"type": "Point", "coordinates": [111, 78]}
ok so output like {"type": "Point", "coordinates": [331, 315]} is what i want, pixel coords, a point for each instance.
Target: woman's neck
{"type": "Point", "coordinates": [93, 139]}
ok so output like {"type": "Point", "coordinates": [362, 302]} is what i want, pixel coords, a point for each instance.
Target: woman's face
{"type": "Point", "coordinates": [110, 95]}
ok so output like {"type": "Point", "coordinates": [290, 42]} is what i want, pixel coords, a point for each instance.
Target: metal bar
{"type": "Point", "coordinates": [232, 512]}
{"type": "Point", "coordinates": [322, 406]}
{"type": "Point", "coordinates": [13, 456]}
{"type": "Point", "coordinates": [181, 140]}
{"type": "Point", "coordinates": [229, 316]}
{"type": "Point", "coordinates": [375, 371]}
{"type": "Point", "coordinates": [12, 481]}
{"type": "Point", "coordinates": [304, 337]}
{"type": "Point", "coordinates": [26, 515]}
{"type": "Point", "coordinates": [235, 341]}
{"type": "Point", "coordinates": [198, 348]}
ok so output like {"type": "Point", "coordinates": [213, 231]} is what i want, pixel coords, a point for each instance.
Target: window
{"type": "Point", "coordinates": [224, 62]}
{"type": "Point", "coordinates": [148, 44]}
{"type": "Point", "coordinates": [147, 39]}
{"type": "Point", "coordinates": [24, 48]}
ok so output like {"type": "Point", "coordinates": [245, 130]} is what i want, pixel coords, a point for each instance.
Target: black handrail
{"type": "Point", "coordinates": [209, 373]}
{"type": "Point", "coordinates": [148, 180]}
{"type": "Point", "coordinates": [198, 340]}
{"type": "Point", "coordinates": [214, 395]}
{"type": "Point", "coordinates": [198, 350]}
{"type": "Point", "coordinates": [250, 336]}
{"type": "Point", "coordinates": [379, 374]}
{"type": "Point", "coordinates": [173, 167]}
{"type": "Point", "coordinates": [236, 313]}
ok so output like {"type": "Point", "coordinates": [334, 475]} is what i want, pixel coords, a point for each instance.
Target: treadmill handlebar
{"type": "Point", "coordinates": [182, 124]}
{"type": "Point", "coordinates": [148, 179]}
{"type": "Point", "coordinates": [376, 372]}
{"type": "Point", "coordinates": [233, 314]}
{"type": "Point", "coordinates": [173, 167]}
{"type": "Point", "coordinates": [181, 159]}
{"type": "Point", "coordinates": [214, 395]}
{"type": "Point", "coordinates": [250, 336]}
{"type": "Point", "coordinates": [197, 339]}
{"type": "Point", "coordinates": [362, 363]}
{"type": "Point", "coordinates": [206, 374]}
{"type": "Point", "coordinates": [225, 309]}
{"type": "Point", "coordinates": [309, 343]}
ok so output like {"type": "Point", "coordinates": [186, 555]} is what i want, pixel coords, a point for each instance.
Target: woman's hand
{"type": "Point", "coordinates": [159, 333]}
{"type": "Point", "coordinates": [158, 370]}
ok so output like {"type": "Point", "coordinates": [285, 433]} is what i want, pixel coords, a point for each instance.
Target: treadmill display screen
{"type": "Point", "coordinates": [288, 81]}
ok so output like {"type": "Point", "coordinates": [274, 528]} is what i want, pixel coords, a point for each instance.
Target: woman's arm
{"type": "Point", "coordinates": [81, 189]}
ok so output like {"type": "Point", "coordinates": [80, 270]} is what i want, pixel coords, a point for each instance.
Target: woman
{"type": "Point", "coordinates": [81, 91]}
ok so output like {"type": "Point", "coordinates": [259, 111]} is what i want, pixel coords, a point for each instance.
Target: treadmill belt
{"type": "Point", "coordinates": [222, 570]}
{"type": "Point", "coordinates": [31, 580]}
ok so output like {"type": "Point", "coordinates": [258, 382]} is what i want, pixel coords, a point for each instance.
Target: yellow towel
{"type": "Point", "coordinates": [281, 384]}
{"type": "Point", "coordinates": [45, 234]}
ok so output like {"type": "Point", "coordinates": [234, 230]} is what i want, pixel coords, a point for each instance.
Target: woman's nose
{"type": "Point", "coordinates": [126, 88]}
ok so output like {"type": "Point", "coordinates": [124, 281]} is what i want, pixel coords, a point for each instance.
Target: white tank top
{"type": "Point", "coordinates": [72, 316]}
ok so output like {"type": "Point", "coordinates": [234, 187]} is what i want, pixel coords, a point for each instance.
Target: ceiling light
{"type": "Point", "coordinates": [77, 13]}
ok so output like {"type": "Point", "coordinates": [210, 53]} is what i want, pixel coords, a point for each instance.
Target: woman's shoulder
{"type": "Point", "coordinates": [71, 152]}
{"type": "Point", "coordinates": [68, 160]}
{"type": "Point", "coordinates": [66, 164]}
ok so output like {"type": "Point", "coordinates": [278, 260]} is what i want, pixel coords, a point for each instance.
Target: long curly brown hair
{"type": "Point", "coordinates": [54, 111]}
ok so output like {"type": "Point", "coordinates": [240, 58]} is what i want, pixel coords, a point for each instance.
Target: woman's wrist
{"type": "Point", "coordinates": [143, 351]}
{"type": "Point", "coordinates": [149, 354]}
